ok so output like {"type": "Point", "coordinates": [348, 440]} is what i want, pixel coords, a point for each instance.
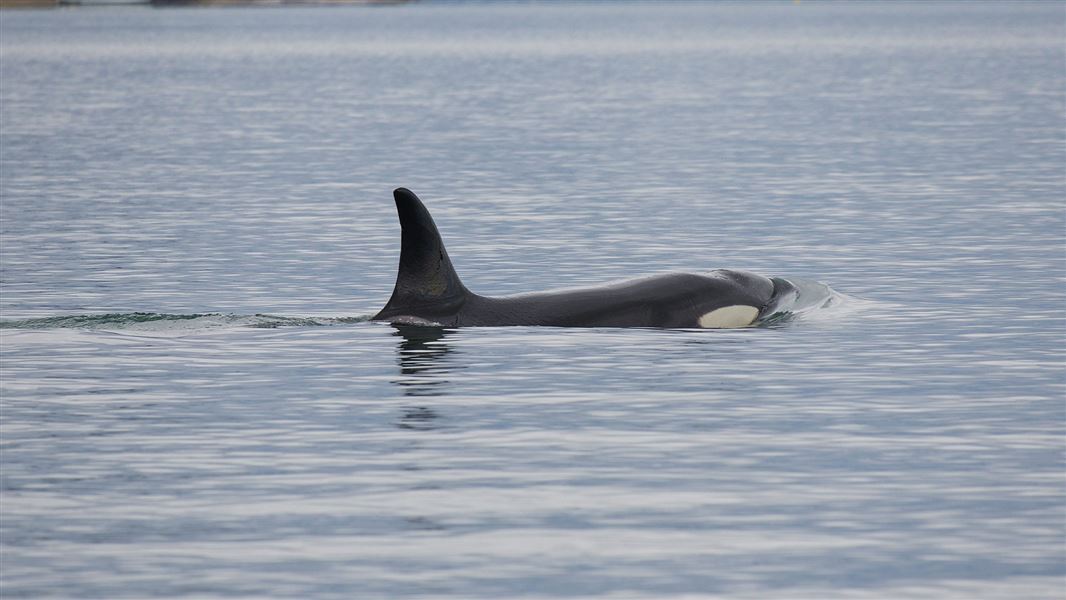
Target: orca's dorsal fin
{"type": "Point", "coordinates": [427, 285]}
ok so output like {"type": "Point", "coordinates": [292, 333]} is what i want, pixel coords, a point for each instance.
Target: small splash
{"type": "Point", "coordinates": [814, 300]}
{"type": "Point", "coordinates": [147, 321]}
{"type": "Point", "coordinates": [409, 321]}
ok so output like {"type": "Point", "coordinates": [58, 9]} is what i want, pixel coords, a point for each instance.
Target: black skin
{"type": "Point", "coordinates": [428, 290]}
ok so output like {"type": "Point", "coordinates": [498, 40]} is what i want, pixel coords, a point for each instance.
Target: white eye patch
{"type": "Point", "coordinates": [738, 315]}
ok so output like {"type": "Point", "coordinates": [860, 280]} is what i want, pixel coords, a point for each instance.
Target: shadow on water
{"type": "Point", "coordinates": [424, 371]}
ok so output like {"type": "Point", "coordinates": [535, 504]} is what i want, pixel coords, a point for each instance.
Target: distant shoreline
{"type": "Point", "coordinates": [176, 3]}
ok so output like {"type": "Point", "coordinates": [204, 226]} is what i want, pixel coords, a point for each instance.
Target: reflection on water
{"type": "Point", "coordinates": [420, 418]}
{"type": "Point", "coordinates": [421, 353]}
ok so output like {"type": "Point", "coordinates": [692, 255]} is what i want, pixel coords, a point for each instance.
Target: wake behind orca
{"type": "Point", "coordinates": [428, 291]}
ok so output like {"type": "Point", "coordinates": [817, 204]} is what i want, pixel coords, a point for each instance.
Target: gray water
{"type": "Point", "coordinates": [197, 221]}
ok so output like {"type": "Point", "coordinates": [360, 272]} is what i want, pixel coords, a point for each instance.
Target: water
{"type": "Point", "coordinates": [197, 221]}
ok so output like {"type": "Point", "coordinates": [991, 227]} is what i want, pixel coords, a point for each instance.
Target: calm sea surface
{"type": "Point", "coordinates": [197, 221]}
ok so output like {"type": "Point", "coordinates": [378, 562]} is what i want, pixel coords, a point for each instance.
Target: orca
{"type": "Point", "coordinates": [428, 291]}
